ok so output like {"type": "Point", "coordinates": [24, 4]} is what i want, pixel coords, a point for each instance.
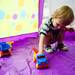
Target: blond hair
{"type": "Point", "coordinates": [65, 13]}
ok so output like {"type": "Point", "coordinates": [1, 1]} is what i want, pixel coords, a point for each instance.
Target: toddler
{"type": "Point", "coordinates": [54, 29]}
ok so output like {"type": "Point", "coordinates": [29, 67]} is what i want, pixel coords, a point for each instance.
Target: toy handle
{"type": "Point", "coordinates": [11, 42]}
{"type": "Point", "coordinates": [35, 50]}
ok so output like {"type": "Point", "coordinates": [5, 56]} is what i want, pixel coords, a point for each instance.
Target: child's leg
{"type": "Point", "coordinates": [48, 38]}
{"type": "Point", "coordinates": [45, 42]}
{"type": "Point", "coordinates": [60, 36]}
{"type": "Point", "coordinates": [60, 39]}
{"type": "Point", "coordinates": [48, 41]}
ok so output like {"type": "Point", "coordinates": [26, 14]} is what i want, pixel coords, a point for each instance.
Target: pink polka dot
{"type": "Point", "coordinates": [33, 16]}
{"type": "Point", "coordinates": [15, 16]}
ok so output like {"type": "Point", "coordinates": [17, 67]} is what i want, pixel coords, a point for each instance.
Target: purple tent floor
{"type": "Point", "coordinates": [20, 63]}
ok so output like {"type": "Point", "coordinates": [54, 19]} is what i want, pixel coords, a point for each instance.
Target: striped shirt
{"type": "Point", "coordinates": [48, 26]}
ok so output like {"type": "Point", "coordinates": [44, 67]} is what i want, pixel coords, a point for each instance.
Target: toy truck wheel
{"type": "Point", "coordinates": [46, 66]}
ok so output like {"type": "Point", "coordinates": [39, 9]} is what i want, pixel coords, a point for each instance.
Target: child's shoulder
{"type": "Point", "coordinates": [48, 21]}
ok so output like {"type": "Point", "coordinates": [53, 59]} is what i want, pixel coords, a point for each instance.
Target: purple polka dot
{"type": "Point", "coordinates": [33, 16]}
{"type": "Point", "coordinates": [15, 16]}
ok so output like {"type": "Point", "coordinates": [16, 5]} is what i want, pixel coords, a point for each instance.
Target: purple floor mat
{"type": "Point", "coordinates": [20, 63]}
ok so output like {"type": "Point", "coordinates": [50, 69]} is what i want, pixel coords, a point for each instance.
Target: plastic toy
{"type": "Point", "coordinates": [34, 55]}
{"type": "Point", "coordinates": [40, 60]}
{"type": "Point", "coordinates": [5, 48]}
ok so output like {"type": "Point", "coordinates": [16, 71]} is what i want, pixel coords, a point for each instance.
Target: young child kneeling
{"type": "Point", "coordinates": [54, 29]}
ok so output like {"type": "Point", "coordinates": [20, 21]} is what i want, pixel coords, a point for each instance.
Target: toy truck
{"type": "Point", "coordinates": [40, 60]}
{"type": "Point", "coordinates": [5, 48]}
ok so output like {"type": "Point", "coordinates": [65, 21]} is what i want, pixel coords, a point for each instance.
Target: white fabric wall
{"type": "Point", "coordinates": [51, 5]}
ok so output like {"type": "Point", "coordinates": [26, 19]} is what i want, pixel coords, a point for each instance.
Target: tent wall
{"type": "Point", "coordinates": [34, 34]}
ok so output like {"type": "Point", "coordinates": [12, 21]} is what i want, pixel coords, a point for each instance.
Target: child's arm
{"type": "Point", "coordinates": [43, 32]}
{"type": "Point", "coordinates": [41, 43]}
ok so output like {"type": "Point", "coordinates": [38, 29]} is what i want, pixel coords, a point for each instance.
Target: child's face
{"type": "Point", "coordinates": [57, 23]}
